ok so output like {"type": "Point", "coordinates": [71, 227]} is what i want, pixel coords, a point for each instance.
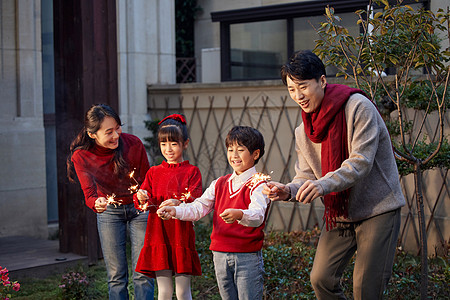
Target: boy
{"type": "Point", "coordinates": [238, 218]}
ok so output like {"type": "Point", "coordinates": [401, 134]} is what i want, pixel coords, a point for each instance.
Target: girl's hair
{"type": "Point", "coordinates": [92, 122]}
{"type": "Point", "coordinates": [173, 129]}
{"type": "Point", "coordinates": [246, 136]}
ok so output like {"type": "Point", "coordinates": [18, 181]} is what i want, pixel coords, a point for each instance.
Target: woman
{"type": "Point", "coordinates": [108, 163]}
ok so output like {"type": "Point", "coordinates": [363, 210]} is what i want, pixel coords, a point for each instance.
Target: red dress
{"type": "Point", "coordinates": [170, 244]}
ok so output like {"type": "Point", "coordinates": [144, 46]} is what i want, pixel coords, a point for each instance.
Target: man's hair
{"type": "Point", "coordinates": [248, 137]}
{"type": "Point", "coordinates": [303, 65]}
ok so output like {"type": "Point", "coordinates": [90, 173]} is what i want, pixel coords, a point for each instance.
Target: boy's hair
{"type": "Point", "coordinates": [172, 130]}
{"type": "Point", "coordinates": [303, 65]}
{"type": "Point", "coordinates": [248, 137]}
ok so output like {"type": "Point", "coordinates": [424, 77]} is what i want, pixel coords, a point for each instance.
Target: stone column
{"type": "Point", "coordinates": [23, 202]}
{"type": "Point", "coordinates": [146, 45]}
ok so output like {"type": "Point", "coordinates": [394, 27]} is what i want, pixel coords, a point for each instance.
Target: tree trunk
{"type": "Point", "coordinates": [423, 234]}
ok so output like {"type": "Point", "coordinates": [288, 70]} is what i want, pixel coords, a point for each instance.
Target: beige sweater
{"type": "Point", "coordinates": [370, 171]}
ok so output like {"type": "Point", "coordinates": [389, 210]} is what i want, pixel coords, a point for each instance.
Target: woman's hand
{"type": "Point", "coordinates": [276, 191]}
{"type": "Point", "coordinates": [230, 215]}
{"type": "Point", "coordinates": [166, 212]}
{"type": "Point", "coordinates": [100, 204]}
{"type": "Point", "coordinates": [170, 202]}
{"type": "Point", "coordinates": [309, 191]}
{"type": "Point", "coordinates": [142, 196]}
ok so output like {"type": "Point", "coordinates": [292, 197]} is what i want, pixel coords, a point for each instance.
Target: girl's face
{"type": "Point", "coordinates": [108, 134]}
{"type": "Point", "coordinates": [240, 158]}
{"type": "Point", "coordinates": [173, 151]}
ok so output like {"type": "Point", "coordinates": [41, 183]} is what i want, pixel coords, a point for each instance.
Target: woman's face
{"type": "Point", "coordinates": [108, 134]}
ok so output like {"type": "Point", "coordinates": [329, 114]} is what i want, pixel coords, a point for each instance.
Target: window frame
{"type": "Point", "coordinates": [288, 12]}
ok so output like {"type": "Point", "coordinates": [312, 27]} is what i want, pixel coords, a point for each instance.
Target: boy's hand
{"type": "Point", "coordinates": [170, 202]}
{"type": "Point", "coordinates": [276, 191]}
{"type": "Point", "coordinates": [230, 215]}
{"type": "Point", "coordinates": [100, 204]}
{"type": "Point", "coordinates": [166, 212]}
{"type": "Point", "coordinates": [142, 196]}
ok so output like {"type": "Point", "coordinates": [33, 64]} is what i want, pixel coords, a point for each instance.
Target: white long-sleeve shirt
{"type": "Point", "coordinates": [252, 217]}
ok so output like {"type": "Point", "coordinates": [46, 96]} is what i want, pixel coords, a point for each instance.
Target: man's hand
{"type": "Point", "coordinates": [309, 191]}
{"type": "Point", "coordinates": [230, 215]}
{"type": "Point", "coordinates": [276, 191]}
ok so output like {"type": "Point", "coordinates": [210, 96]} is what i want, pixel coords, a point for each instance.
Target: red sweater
{"type": "Point", "coordinates": [233, 237]}
{"type": "Point", "coordinates": [170, 244]}
{"type": "Point", "coordinates": [95, 170]}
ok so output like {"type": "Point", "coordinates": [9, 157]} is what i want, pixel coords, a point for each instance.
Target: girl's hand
{"type": "Point", "coordinates": [100, 204]}
{"type": "Point", "coordinates": [166, 212]}
{"type": "Point", "coordinates": [276, 191]}
{"type": "Point", "coordinates": [170, 202]}
{"type": "Point", "coordinates": [142, 196]}
{"type": "Point", "coordinates": [230, 215]}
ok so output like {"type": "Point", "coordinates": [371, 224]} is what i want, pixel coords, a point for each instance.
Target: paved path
{"type": "Point", "coordinates": [31, 257]}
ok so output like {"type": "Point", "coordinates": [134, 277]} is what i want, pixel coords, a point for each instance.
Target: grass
{"type": "Point", "coordinates": [288, 259]}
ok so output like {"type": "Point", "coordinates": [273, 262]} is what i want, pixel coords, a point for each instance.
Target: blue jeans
{"type": "Point", "coordinates": [112, 229]}
{"type": "Point", "coordinates": [239, 275]}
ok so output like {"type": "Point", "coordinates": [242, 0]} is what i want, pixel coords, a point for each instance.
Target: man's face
{"type": "Point", "coordinates": [308, 94]}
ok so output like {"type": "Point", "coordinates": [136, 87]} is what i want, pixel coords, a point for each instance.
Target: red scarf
{"type": "Point", "coordinates": [327, 125]}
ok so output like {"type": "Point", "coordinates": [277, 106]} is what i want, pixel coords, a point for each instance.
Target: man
{"type": "Point", "coordinates": [344, 154]}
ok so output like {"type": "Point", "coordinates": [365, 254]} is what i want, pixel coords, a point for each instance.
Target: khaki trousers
{"type": "Point", "coordinates": [375, 241]}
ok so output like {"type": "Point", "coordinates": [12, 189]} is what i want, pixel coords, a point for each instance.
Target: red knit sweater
{"type": "Point", "coordinates": [233, 237]}
{"type": "Point", "coordinates": [95, 170]}
{"type": "Point", "coordinates": [170, 244]}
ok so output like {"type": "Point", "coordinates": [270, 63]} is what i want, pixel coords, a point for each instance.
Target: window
{"type": "Point", "coordinates": [255, 42]}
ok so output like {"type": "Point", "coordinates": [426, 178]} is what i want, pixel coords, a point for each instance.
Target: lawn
{"type": "Point", "coordinates": [288, 259]}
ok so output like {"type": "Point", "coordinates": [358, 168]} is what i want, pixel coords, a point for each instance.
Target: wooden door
{"type": "Point", "coordinates": [85, 74]}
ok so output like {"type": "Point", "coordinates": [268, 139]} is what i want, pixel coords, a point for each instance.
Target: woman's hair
{"type": "Point", "coordinates": [248, 137]}
{"type": "Point", "coordinates": [173, 129]}
{"type": "Point", "coordinates": [303, 65]}
{"type": "Point", "coordinates": [92, 122]}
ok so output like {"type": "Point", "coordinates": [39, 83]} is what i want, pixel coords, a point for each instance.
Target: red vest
{"type": "Point", "coordinates": [233, 237]}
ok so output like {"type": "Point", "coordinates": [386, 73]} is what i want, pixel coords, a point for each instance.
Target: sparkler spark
{"type": "Point", "coordinates": [133, 188]}
{"type": "Point", "coordinates": [258, 177]}
{"type": "Point", "coordinates": [110, 200]}
{"type": "Point", "coordinates": [185, 196]}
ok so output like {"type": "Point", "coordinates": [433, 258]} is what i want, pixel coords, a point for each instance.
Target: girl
{"type": "Point", "coordinates": [102, 156]}
{"type": "Point", "coordinates": [169, 247]}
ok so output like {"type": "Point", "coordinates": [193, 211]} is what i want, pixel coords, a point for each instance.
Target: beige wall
{"type": "Point", "coordinates": [212, 109]}
{"type": "Point", "coordinates": [23, 202]}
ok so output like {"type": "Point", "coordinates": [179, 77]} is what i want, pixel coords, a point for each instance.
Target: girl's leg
{"type": "Point", "coordinates": [112, 230]}
{"type": "Point", "coordinates": [225, 269]}
{"type": "Point", "coordinates": [183, 287]}
{"type": "Point", "coordinates": [377, 240]}
{"type": "Point", "coordinates": [336, 247]}
{"type": "Point", "coordinates": [143, 285]}
{"type": "Point", "coordinates": [165, 284]}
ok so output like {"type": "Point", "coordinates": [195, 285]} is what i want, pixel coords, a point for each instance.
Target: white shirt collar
{"type": "Point", "coordinates": [244, 176]}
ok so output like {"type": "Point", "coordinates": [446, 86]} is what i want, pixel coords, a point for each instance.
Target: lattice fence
{"type": "Point", "coordinates": [211, 113]}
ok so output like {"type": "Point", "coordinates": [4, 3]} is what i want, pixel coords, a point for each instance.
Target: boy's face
{"type": "Point", "coordinates": [240, 158]}
{"type": "Point", "coordinates": [308, 94]}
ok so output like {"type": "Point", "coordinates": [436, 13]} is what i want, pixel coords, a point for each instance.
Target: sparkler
{"type": "Point", "coordinates": [185, 196]}
{"type": "Point", "coordinates": [110, 200]}
{"type": "Point", "coordinates": [258, 177]}
{"type": "Point", "coordinates": [133, 188]}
